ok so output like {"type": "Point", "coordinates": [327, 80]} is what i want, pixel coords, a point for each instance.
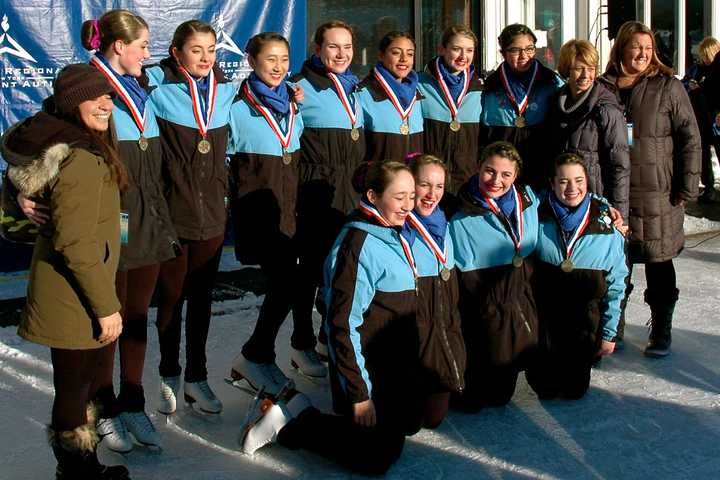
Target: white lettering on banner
{"type": "Point", "coordinates": [15, 49]}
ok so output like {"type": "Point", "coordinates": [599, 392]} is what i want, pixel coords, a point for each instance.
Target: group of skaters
{"type": "Point", "coordinates": [452, 231]}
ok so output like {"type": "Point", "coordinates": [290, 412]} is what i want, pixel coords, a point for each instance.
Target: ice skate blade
{"type": "Point", "coordinates": [241, 384]}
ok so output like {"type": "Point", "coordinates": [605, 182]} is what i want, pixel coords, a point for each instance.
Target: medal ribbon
{"type": "Point", "coordinates": [353, 115]}
{"type": "Point", "coordinates": [522, 106]}
{"type": "Point", "coordinates": [270, 118]}
{"type": "Point", "coordinates": [371, 211]}
{"type": "Point", "coordinates": [202, 123]}
{"type": "Point", "coordinates": [576, 236]}
{"type": "Point", "coordinates": [122, 93]}
{"type": "Point", "coordinates": [516, 238]}
{"type": "Point", "coordinates": [446, 91]}
{"type": "Point", "coordinates": [417, 224]}
{"type": "Point", "coordinates": [404, 114]}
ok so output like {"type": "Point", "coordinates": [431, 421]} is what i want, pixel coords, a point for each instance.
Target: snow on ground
{"type": "Point", "coordinates": [641, 418]}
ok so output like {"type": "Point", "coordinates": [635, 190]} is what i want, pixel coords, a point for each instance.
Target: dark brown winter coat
{"type": "Point", "coordinates": [594, 128]}
{"type": "Point", "coordinates": [665, 165]}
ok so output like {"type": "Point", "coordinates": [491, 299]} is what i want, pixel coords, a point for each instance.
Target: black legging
{"type": "Point", "coordinates": [188, 277]}
{"type": "Point", "coordinates": [73, 373]}
{"type": "Point", "coordinates": [661, 280]}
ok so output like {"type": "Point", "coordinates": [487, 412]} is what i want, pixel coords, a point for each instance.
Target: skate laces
{"type": "Point", "coordinates": [116, 425]}
{"type": "Point", "coordinates": [205, 389]}
{"type": "Point", "coordinates": [167, 391]}
{"type": "Point", "coordinates": [141, 421]}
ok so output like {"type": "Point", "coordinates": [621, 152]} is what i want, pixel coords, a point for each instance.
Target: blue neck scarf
{"type": "Point", "coordinates": [347, 79]}
{"type": "Point", "coordinates": [569, 218]}
{"type": "Point", "coordinates": [276, 99]}
{"type": "Point", "coordinates": [136, 92]}
{"type": "Point", "coordinates": [454, 82]}
{"type": "Point", "coordinates": [436, 225]}
{"type": "Point", "coordinates": [506, 202]}
{"type": "Point", "coordinates": [203, 85]}
{"type": "Point", "coordinates": [406, 90]}
{"type": "Point", "coordinates": [520, 81]}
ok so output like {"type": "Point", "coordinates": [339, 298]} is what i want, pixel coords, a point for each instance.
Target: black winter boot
{"type": "Point", "coordinates": [661, 311]}
{"type": "Point", "coordinates": [75, 451]}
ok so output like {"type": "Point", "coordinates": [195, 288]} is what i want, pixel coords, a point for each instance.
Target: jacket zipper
{"type": "Point", "coordinates": [456, 370]}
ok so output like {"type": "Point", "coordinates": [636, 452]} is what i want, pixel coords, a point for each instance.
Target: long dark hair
{"type": "Point", "coordinates": [107, 145]}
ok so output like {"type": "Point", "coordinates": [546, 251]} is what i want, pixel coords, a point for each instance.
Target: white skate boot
{"type": "Point", "coordinates": [270, 418]}
{"type": "Point", "coordinates": [113, 434]}
{"type": "Point", "coordinates": [142, 428]}
{"type": "Point", "coordinates": [259, 376]}
{"type": "Point", "coordinates": [307, 362]}
{"type": "Point", "coordinates": [169, 387]}
{"type": "Point", "coordinates": [201, 394]}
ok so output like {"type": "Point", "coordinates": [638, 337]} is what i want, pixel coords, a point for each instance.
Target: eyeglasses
{"type": "Point", "coordinates": [515, 51]}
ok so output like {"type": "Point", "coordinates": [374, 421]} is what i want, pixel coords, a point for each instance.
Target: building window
{"type": "Point", "coordinates": [664, 13]}
{"type": "Point", "coordinates": [437, 16]}
{"type": "Point", "coordinates": [371, 19]}
{"type": "Point", "coordinates": [695, 30]}
{"type": "Point", "coordinates": [548, 28]}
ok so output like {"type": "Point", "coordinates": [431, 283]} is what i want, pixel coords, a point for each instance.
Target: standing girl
{"type": "Point", "coordinates": [441, 345]}
{"type": "Point", "coordinates": [499, 320]}
{"type": "Point", "coordinates": [452, 105]}
{"type": "Point", "coordinates": [516, 100]}
{"type": "Point", "coordinates": [578, 281]}
{"type": "Point", "coordinates": [192, 100]}
{"type": "Point", "coordinates": [392, 119]}
{"type": "Point", "coordinates": [264, 153]}
{"type": "Point", "coordinates": [332, 146]}
{"type": "Point", "coordinates": [66, 155]}
{"type": "Point", "coordinates": [121, 42]}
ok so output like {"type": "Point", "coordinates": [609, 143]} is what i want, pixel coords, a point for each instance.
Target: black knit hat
{"type": "Point", "coordinates": [77, 83]}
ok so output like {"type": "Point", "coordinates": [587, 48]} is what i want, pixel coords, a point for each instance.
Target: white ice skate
{"type": "Point", "coordinates": [265, 376]}
{"type": "Point", "coordinates": [113, 434]}
{"type": "Point", "coordinates": [268, 418]}
{"type": "Point", "coordinates": [142, 428]}
{"type": "Point", "coordinates": [308, 363]}
{"type": "Point", "coordinates": [200, 395]}
{"type": "Point", "coordinates": [169, 387]}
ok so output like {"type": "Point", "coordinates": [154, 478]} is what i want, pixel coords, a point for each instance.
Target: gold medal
{"type": "Point", "coordinates": [405, 129]}
{"type": "Point", "coordinates": [445, 274]}
{"type": "Point", "coordinates": [517, 261]}
{"type": "Point", "coordinates": [204, 146]}
{"type": "Point", "coordinates": [143, 143]}
{"type": "Point", "coordinates": [567, 266]}
{"type": "Point", "coordinates": [287, 158]}
{"type": "Point", "coordinates": [520, 121]}
{"type": "Point", "coordinates": [355, 134]}
{"type": "Point", "coordinates": [455, 125]}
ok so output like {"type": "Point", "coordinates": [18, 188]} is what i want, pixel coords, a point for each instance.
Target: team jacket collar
{"type": "Point", "coordinates": [600, 221]}
{"type": "Point", "coordinates": [376, 91]}
{"type": "Point", "coordinates": [469, 206]}
{"type": "Point", "coordinates": [476, 82]}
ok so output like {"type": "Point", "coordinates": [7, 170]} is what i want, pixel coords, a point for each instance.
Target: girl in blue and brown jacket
{"type": "Point", "coordinates": [389, 96]}
{"type": "Point", "coordinates": [332, 147]}
{"type": "Point", "coordinates": [516, 100]}
{"type": "Point", "coordinates": [371, 291]}
{"type": "Point", "coordinates": [121, 43]}
{"type": "Point", "coordinates": [192, 100]}
{"type": "Point", "coordinates": [441, 345]}
{"type": "Point", "coordinates": [452, 104]}
{"type": "Point", "coordinates": [493, 234]}
{"type": "Point", "coordinates": [264, 153]}
{"type": "Point", "coordinates": [578, 281]}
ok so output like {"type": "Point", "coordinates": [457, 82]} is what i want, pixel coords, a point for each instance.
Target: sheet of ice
{"type": "Point", "coordinates": [641, 418]}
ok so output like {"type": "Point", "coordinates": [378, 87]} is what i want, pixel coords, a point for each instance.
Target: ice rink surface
{"type": "Point", "coordinates": [642, 418]}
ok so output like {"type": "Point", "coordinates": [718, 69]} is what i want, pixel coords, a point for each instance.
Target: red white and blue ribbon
{"type": "Point", "coordinates": [138, 117]}
{"type": "Point", "coordinates": [522, 105]}
{"type": "Point", "coordinates": [373, 212]}
{"type": "Point", "coordinates": [270, 118]}
{"type": "Point", "coordinates": [454, 108]}
{"type": "Point", "coordinates": [515, 236]}
{"type": "Point", "coordinates": [203, 123]}
{"type": "Point", "coordinates": [578, 232]}
{"type": "Point", "coordinates": [417, 225]}
{"type": "Point", "coordinates": [352, 114]}
{"type": "Point", "coordinates": [404, 113]}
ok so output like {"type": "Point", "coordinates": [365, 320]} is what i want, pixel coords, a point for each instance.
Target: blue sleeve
{"type": "Point", "coordinates": [615, 279]}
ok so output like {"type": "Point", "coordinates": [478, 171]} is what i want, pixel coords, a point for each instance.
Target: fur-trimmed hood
{"type": "Point", "coordinates": [36, 147]}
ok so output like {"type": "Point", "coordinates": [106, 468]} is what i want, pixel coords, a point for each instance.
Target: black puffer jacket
{"type": "Point", "coordinates": [594, 127]}
{"type": "Point", "coordinates": [665, 165]}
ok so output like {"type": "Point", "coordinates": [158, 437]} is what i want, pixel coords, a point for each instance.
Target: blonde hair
{"type": "Point", "coordinates": [708, 48]}
{"type": "Point", "coordinates": [573, 51]}
{"type": "Point", "coordinates": [113, 25]}
{"type": "Point", "coordinates": [454, 30]}
{"type": "Point", "coordinates": [624, 37]}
